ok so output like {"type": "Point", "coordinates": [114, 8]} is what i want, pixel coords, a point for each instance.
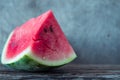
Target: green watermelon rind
{"type": "Point", "coordinates": [29, 64]}
{"type": "Point", "coordinates": [26, 63]}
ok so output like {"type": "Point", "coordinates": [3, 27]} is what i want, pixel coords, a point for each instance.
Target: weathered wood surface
{"type": "Point", "coordinates": [67, 72]}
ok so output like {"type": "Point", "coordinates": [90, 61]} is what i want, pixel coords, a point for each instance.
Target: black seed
{"type": "Point", "coordinates": [51, 29]}
{"type": "Point", "coordinates": [45, 30]}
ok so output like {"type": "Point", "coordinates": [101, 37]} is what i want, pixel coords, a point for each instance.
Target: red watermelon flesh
{"type": "Point", "coordinates": [21, 39]}
{"type": "Point", "coordinates": [43, 36]}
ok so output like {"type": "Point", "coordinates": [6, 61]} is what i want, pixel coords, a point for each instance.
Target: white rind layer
{"type": "Point", "coordinates": [55, 62]}
{"type": "Point", "coordinates": [30, 54]}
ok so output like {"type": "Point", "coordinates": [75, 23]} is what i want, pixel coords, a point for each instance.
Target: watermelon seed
{"type": "Point", "coordinates": [45, 30]}
{"type": "Point", "coordinates": [51, 29]}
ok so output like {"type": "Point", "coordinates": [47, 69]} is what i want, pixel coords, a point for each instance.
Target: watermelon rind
{"type": "Point", "coordinates": [30, 64]}
{"type": "Point", "coordinates": [27, 61]}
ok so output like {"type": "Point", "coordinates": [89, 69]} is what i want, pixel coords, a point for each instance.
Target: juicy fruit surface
{"type": "Point", "coordinates": [19, 40]}
{"type": "Point", "coordinates": [42, 40]}
{"type": "Point", "coordinates": [50, 42]}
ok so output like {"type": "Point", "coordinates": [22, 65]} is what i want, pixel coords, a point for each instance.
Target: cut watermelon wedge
{"type": "Point", "coordinates": [37, 44]}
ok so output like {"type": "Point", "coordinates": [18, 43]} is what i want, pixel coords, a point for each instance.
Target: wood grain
{"type": "Point", "coordinates": [67, 72]}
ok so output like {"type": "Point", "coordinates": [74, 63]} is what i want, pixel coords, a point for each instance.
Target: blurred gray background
{"type": "Point", "coordinates": [91, 26]}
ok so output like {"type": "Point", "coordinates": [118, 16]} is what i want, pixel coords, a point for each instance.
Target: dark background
{"type": "Point", "coordinates": [91, 26]}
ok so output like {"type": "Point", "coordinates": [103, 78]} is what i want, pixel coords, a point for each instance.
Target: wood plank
{"type": "Point", "coordinates": [71, 71]}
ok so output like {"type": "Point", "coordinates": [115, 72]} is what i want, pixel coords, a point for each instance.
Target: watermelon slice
{"type": "Point", "coordinates": [38, 44]}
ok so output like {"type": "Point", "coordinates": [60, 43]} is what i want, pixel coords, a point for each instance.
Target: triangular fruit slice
{"type": "Point", "coordinates": [38, 44]}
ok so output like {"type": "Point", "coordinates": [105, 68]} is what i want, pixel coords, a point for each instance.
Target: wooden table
{"type": "Point", "coordinates": [67, 72]}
